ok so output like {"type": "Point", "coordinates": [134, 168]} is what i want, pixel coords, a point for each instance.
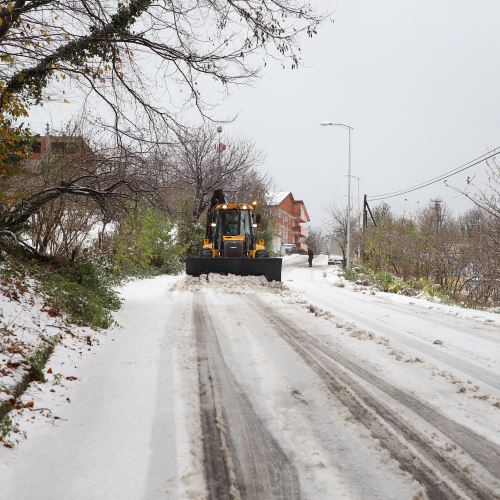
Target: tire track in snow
{"type": "Point", "coordinates": [365, 408]}
{"type": "Point", "coordinates": [242, 458]}
{"type": "Point", "coordinates": [216, 471]}
{"type": "Point", "coordinates": [451, 360]}
{"type": "Point", "coordinates": [416, 343]}
{"type": "Point", "coordinates": [490, 331]}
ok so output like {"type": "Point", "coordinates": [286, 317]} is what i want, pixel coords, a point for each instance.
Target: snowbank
{"type": "Point", "coordinates": [30, 328]}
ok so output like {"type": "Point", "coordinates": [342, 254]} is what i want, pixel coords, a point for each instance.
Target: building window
{"type": "Point", "coordinates": [36, 147]}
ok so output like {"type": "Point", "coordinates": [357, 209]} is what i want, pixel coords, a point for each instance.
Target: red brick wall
{"type": "Point", "coordinates": [59, 145]}
{"type": "Point", "coordinates": [286, 224]}
{"type": "Point", "coordinates": [287, 205]}
{"type": "Point", "coordinates": [43, 149]}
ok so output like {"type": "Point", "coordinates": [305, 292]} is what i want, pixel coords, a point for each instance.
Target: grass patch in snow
{"type": "Point", "coordinates": [387, 282]}
{"type": "Point", "coordinates": [40, 356]}
{"type": "Point", "coordinates": [413, 287]}
{"type": "Point", "coordinates": [10, 433]}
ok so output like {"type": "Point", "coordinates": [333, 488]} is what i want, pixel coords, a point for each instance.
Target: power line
{"type": "Point", "coordinates": [484, 157]}
{"type": "Point", "coordinates": [457, 170]}
{"type": "Point", "coordinates": [439, 177]}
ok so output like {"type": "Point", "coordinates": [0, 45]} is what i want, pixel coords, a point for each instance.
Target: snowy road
{"type": "Point", "coordinates": [472, 348]}
{"type": "Point", "coordinates": [234, 388]}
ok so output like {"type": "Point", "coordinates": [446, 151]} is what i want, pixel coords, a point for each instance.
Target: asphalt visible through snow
{"type": "Point", "coordinates": [241, 456]}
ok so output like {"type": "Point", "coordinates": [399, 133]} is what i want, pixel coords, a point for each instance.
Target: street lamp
{"type": "Point", "coordinates": [349, 128]}
{"type": "Point", "coordinates": [219, 131]}
{"type": "Point", "coordinates": [358, 216]}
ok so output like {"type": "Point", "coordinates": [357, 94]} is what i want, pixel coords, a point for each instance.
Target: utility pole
{"type": "Point", "coordinates": [439, 213]}
{"type": "Point", "coordinates": [365, 225]}
{"type": "Point", "coordinates": [365, 213]}
{"type": "Point", "coordinates": [348, 263]}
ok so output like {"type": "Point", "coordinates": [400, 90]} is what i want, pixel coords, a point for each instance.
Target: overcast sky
{"type": "Point", "coordinates": [419, 81]}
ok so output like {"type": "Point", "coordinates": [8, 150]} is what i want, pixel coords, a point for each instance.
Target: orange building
{"type": "Point", "coordinates": [290, 214]}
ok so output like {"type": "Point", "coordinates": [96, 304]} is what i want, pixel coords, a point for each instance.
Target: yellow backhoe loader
{"type": "Point", "coordinates": [231, 245]}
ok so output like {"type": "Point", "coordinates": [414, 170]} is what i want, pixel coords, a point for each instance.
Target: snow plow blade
{"type": "Point", "coordinates": [241, 266]}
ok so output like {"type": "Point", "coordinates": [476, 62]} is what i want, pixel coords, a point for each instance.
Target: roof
{"type": "Point", "coordinates": [275, 199]}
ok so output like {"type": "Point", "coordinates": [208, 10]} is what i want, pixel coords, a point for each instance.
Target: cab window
{"type": "Point", "coordinates": [246, 223]}
{"type": "Point", "coordinates": [231, 223]}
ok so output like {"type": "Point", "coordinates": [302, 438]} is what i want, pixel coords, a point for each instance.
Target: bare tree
{"type": "Point", "coordinates": [58, 199]}
{"type": "Point", "coordinates": [199, 164]}
{"type": "Point", "coordinates": [458, 257]}
{"type": "Point", "coordinates": [483, 235]}
{"type": "Point", "coordinates": [63, 226]}
{"type": "Point", "coordinates": [337, 227]}
{"type": "Point", "coordinates": [317, 241]}
{"type": "Point", "coordinates": [128, 54]}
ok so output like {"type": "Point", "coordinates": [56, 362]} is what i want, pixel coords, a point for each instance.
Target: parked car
{"type": "Point", "coordinates": [335, 259]}
{"type": "Point", "coordinates": [288, 248]}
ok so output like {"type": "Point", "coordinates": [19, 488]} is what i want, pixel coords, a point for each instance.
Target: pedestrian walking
{"type": "Point", "coordinates": [310, 255]}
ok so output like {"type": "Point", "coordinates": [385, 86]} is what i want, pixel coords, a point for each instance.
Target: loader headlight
{"type": "Point", "coordinates": [261, 254]}
{"type": "Point", "coordinates": [205, 252]}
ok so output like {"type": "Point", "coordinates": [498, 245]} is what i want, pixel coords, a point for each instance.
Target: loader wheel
{"type": "Point", "coordinates": [261, 254]}
{"type": "Point", "coordinates": [205, 252]}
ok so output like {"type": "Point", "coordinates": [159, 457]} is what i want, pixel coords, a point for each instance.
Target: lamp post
{"type": "Point", "coordinates": [358, 215]}
{"type": "Point", "coordinates": [348, 128]}
{"type": "Point", "coordinates": [219, 131]}
{"type": "Point", "coordinates": [358, 179]}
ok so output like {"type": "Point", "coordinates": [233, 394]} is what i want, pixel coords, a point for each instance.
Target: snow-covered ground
{"type": "Point", "coordinates": [28, 325]}
{"type": "Point", "coordinates": [234, 387]}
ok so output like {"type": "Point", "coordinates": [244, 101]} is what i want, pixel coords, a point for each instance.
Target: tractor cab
{"type": "Point", "coordinates": [232, 230]}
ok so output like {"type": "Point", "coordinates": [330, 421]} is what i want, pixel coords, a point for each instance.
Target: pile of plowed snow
{"type": "Point", "coordinates": [227, 284]}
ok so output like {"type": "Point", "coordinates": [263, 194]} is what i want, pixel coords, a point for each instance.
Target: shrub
{"type": "Point", "coordinates": [384, 280]}
{"type": "Point", "coordinates": [189, 235]}
{"type": "Point", "coordinates": [82, 290]}
{"type": "Point", "coordinates": [352, 274]}
{"type": "Point", "coordinates": [145, 244]}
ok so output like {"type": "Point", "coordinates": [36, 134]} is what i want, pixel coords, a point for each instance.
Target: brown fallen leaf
{"type": "Point", "coordinates": [71, 377]}
{"type": "Point", "coordinates": [49, 370]}
{"type": "Point", "coordinates": [29, 404]}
